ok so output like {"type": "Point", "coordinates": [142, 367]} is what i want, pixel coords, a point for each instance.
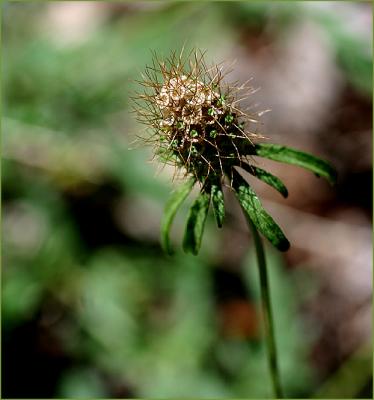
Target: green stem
{"type": "Point", "coordinates": [267, 312]}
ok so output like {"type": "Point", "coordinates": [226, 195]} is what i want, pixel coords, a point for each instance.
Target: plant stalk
{"type": "Point", "coordinates": [267, 312]}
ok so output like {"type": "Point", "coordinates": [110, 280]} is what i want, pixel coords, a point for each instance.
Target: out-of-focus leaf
{"type": "Point", "coordinates": [353, 50]}
{"type": "Point", "coordinates": [195, 224]}
{"type": "Point", "coordinates": [350, 378]}
{"type": "Point", "coordinates": [16, 307]}
{"type": "Point", "coordinates": [266, 177]}
{"type": "Point", "coordinates": [357, 63]}
{"type": "Point", "coordinates": [171, 208]}
{"type": "Point", "coordinates": [81, 383]}
{"type": "Point", "coordinates": [295, 157]}
{"type": "Point", "coordinates": [218, 204]}
{"type": "Point", "coordinates": [255, 212]}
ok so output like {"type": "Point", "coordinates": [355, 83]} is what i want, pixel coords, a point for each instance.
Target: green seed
{"type": "Point", "coordinates": [194, 133]}
{"type": "Point", "coordinates": [221, 100]}
{"type": "Point", "coordinates": [180, 125]}
{"type": "Point", "coordinates": [194, 151]}
{"type": "Point", "coordinates": [213, 134]}
{"type": "Point", "coordinates": [211, 112]}
{"type": "Point", "coordinates": [229, 118]}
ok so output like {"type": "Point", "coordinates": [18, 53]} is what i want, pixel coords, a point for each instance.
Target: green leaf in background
{"type": "Point", "coordinates": [195, 224]}
{"type": "Point", "coordinates": [266, 177]}
{"type": "Point", "coordinates": [81, 383]}
{"type": "Point", "coordinates": [171, 208]}
{"type": "Point", "coordinates": [351, 377]}
{"type": "Point", "coordinates": [295, 157]}
{"type": "Point", "coordinates": [353, 50]}
{"type": "Point", "coordinates": [218, 204]}
{"type": "Point", "coordinates": [261, 219]}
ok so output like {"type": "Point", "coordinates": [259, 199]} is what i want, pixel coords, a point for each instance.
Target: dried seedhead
{"type": "Point", "coordinates": [195, 118]}
{"type": "Point", "coordinates": [197, 125]}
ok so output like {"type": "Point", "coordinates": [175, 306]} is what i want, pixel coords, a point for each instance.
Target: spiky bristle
{"type": "Point", "coordinates": [195, 118]}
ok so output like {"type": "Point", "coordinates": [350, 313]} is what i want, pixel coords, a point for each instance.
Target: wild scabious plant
{"type": "Point", "coordinates": [196, 123]}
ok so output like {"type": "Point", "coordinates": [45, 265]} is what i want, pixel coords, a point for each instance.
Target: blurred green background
{"type": "Point", "coordinates": [91, 307]}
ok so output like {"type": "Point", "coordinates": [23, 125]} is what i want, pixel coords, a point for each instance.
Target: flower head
{"type": "Point", "coordinates": [195, 117]}
{"type": "Point", "coordinates": [197, 125]}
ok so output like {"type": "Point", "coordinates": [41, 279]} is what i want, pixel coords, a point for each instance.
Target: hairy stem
{"type": "Point", "coordinates": [267, 312]}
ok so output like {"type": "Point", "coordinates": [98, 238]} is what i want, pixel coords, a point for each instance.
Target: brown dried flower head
{"type": "Point", "coordinates": [195, 118]}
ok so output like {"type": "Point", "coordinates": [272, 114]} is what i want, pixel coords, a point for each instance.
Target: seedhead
{"type": "Point", "coordinates": [195, 122]}
{"type": "Point", "coordinates": [195, 117]}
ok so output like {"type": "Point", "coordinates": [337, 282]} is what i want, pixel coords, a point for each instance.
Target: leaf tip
{"type": "Point", "coordinates": [167, 249]}
{"type": "Point", "coordinates": [284, 245]}
{"type": "Point", "coordinates": [334, 177]}
{"type": "Point", "coordinates": [189, 249]}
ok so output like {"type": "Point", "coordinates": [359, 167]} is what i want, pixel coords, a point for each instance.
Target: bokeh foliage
{"type": "Point", "coordinates": [120, 317]}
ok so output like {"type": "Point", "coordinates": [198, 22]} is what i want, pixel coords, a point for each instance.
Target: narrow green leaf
{"type": "Point", "coordinates": [295, 157]}
{"type": "Point", "coordinates": [253, 210]}
{"type": "Point", "coordinates": [266, 177]}
{"type": "Point", "coordinates": [218, 204]}
{"type": "Point", "coordinates": [195, 224]}
{"type": "Point", "coordinates": [171, 208]}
